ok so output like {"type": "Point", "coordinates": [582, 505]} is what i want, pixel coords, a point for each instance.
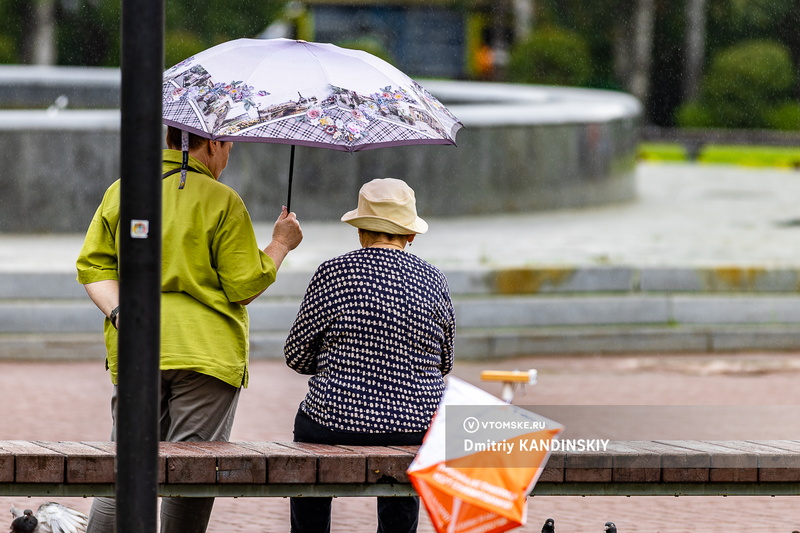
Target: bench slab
{"type": "Point", "coordinates": [301, 469]}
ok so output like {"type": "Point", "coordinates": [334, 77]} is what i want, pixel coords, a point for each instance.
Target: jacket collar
{"type": "Point", "coordinates": [174, 158]}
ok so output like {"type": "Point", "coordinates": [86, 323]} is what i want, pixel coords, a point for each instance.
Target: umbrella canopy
{"type": "Point", "coordinates": [480, 459]}
{"type": "Point", "coordinates": [302, 93]}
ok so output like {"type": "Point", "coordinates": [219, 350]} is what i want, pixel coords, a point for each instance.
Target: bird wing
{"type": "Point", "coordinates": [56, 518]}
{"type": "Point", "coordinates": [16, 513]}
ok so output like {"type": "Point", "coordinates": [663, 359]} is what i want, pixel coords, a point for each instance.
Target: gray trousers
{"type": "Point", "coordinates": [194, 407]}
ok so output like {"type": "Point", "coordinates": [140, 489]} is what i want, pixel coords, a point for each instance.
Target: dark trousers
{"type": "Point", "coordinates": [313, 515]}
{"type": "Point", "coordinates": [194, 407]}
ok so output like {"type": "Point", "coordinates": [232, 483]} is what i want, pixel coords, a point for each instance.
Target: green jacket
{"type": "Point", "coordinates": [210, 259]}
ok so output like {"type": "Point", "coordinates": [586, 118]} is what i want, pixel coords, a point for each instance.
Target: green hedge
{"type": "Point", "coordinates": [551, 56]}
{"type": "Point", "coordinates": [748, 85]}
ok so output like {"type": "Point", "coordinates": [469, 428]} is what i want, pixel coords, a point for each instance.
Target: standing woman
{"type": "Point", "coordinates": [375, 331]}
{"type": "Point", "coordinates": [211, 268]}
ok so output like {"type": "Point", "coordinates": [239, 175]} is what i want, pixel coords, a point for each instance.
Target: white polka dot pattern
{"type": "Point", "coordinates": [376, 330]}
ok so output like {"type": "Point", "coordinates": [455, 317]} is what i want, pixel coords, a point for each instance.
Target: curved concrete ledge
{"type": "Point", "coordinates": [37, 87]}
{"type": "Point", "coordinates": [61, 120]}
{"type": "Point", "coordinates": [523, 148]}
{"type": "Point", "coordinates": [503, 104]}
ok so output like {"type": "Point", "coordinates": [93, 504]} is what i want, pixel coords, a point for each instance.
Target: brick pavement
{"type": "Point", "coordinates": [70, 401]}
{"type": "Point", "coordinates": [685, 215]}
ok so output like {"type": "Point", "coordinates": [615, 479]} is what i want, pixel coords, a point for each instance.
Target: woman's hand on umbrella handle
{"type": "Point", "coordinates": [286, 235]}
{"type": "Point", "coordinates": [287, 230]}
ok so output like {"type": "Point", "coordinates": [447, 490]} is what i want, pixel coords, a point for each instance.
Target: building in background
{"type": "Point", "coordinates": [452, 39]}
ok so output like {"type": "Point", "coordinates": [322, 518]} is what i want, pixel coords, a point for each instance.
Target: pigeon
{"type": "Point", "coordinates": [51, 517]}
{"type": "Point", "coordinates": [549, 526]}
{"type": "Point", "coordinates": [610, 527]}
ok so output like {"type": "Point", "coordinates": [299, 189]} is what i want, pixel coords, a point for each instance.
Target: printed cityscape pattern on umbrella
{"type": "Point", "coordinates": [325, 116]}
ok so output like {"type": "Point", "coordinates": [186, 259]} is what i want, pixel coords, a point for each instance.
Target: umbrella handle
{"type": "Point", "coordinates": [291, 177]}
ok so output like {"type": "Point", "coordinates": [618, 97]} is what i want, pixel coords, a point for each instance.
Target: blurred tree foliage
{"type": "Point", "coordinates": [749, 85]}
{"type": "Point", "coordinates": [597, 22]}
{"type": "Point", "coordinates": [551, 56]}
{"type": "Point", "coordinates": [370, 45]}
{"type": "Point", "coordinates": [88, 31]}
{"type": "Point", "coordinates": [192, 26]}
{"type": "Point", "coordinates": [607, 25]}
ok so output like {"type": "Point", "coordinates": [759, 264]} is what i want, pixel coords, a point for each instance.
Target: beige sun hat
{"type": "Point", "coordinates": [387, 205]}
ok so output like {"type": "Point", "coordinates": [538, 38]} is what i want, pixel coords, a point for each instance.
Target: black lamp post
{"type": "Point", "coordinates": [140, 265]}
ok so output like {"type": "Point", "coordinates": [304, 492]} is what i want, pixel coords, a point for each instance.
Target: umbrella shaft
{"type": "Point", "coordinates": [291, 177]}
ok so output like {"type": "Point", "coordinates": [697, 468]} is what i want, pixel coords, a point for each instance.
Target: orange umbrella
{"type": "Point", "coordinates": [480, 459]}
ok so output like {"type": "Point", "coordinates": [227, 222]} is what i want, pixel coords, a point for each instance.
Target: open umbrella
{"type": "Point", "coordinates": [302, 93]}
{"type": "Point", "coordinates": [480, 459]}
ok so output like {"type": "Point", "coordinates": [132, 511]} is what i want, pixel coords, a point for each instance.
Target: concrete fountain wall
{"type": "Point", "coordinates": [523, 148]}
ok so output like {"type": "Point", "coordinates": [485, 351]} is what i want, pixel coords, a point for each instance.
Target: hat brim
{"type": "Point", "coordinates": [384, 225]}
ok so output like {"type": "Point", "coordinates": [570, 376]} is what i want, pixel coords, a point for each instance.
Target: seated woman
{"type": "Point", "coordinates": [375, 331]}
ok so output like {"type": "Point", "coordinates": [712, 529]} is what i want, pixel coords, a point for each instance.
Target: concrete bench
{"type": "Point", "coordinates": [259, 469]}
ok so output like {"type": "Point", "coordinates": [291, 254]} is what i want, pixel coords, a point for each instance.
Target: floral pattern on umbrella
{"type": "Point", "coordinates": [322, 114]}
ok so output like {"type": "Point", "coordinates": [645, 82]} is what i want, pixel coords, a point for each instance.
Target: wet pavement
{"type": "Point", "coordinates": [70, 401]}
{"type": "Point", "coordinates": [685, 215]}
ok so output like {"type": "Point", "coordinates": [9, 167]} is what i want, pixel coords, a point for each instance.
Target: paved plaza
{"type": "Point", "coordinates": [685, 216]}
{"type": "Point", "coordinates": [70, 401]}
